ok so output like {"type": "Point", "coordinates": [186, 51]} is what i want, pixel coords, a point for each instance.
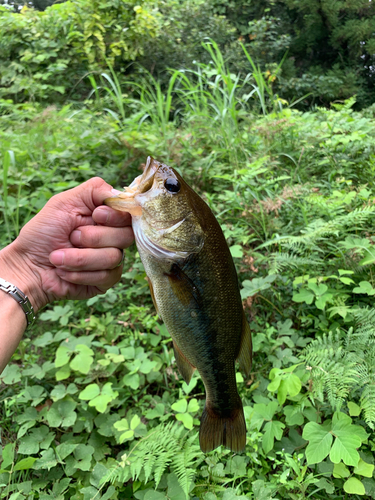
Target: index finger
{"type": "Point", "coordinates": [106, 216]}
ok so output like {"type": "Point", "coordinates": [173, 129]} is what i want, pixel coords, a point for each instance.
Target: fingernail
{"type": "Point", "coordinates": [60, 273]}
{"type": "Point", "coordinates": [75, 237]}
{"type": "Point", "coordinates": [115, 192]}
{"type": "Point", "coordinates": [57, 258]}
{"type": "Point", "coordinates": [101, 215]}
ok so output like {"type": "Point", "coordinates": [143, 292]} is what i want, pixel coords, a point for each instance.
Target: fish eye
{"type": "Point", "coordinates": [172, 185]}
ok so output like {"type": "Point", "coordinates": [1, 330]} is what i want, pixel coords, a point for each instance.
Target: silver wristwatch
{"type": "Point", "coordinates": [21, 298]}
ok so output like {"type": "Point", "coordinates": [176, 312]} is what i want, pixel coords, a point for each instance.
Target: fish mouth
{"type": "Point", "coordinates": [126, 202]}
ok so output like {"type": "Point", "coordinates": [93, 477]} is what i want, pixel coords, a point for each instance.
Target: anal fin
{"type": "Point", "coordinates": [184, 366]}
{"type": "Point", "coordinates": [246, 349]}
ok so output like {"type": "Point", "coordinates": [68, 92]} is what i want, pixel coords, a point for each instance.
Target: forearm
{"type": "Point", "coordinates": [12, 317]}
{"type": "Point", "coordinates": [12, 326]}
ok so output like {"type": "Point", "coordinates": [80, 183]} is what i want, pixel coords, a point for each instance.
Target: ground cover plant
{"type": "Point", "coordinates": [92, 405]}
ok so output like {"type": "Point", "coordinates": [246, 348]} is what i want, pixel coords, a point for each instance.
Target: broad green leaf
{"type": "Point", "coordinates": [65, 449]}
{"type": "Point", "coordinates": [236, 251]}
{"type": "Point", "coordinates": [193, 406]}
{"type": "Point", "coordinates": [256, 285]}
{"type": "Point", "coordinates": [273, 429]}
{"type": "Point", "coordinates": [83, 454]}
{"type": "Point", "coordinates": [25, 463]}
{"type": "Point", "coordinates": [131, 380]}
{"type": "Point", "coordinates": [83, 360]}
{"type": "Point", "coordinates": [354, 409]}
{"type": "Point", "coordinates": [63, 373]}
{"type": "Point", "coordinates": [54, 418]}
{"type": "Point", "coordinates": [126, 435]}
{"type": "Point", "coordinates": [266, 411]}
{"type": "Point", "coordinates": [318, 289]}
{"type": "Point", "coordinates": [62, 356]}
{"type": "Point", "coordinates": [157, 412]}
{"type": "Point", "coordinates": [188, 388]}
{"type": "Point", "coordinates": [345, 271]}
{"type": "Point", "coordinates": [364, 469]}
{"type": "Point", "coordinates": [154, 495]}
{"type": "Point", "coordinates": [101, 402]}
{"type": "Point", "coordinates": [340, 470]}
{"type": "Point", "coordinates": [46, 461]}
{"type": "Point", "coordinates": [28, 446]}
{"type": "Point", "coordinates": [345, 447]}
{"type": "Point", "coordinates": [89, 392]}
{"type": "Point", "coordinates": [186, 419]}
{"type": "Point", "coordinates": [121, 425]}
{"type": "Point", "coordinates": [135, 421]}
{"type": "Point", "coordinates": [354, 486]}
{"type": "Point", "coordinates": [147, 365]}
{"type": "Point", "coordinates": [320, 441]}
{"type": "Point", "coordinates": [8, 455]}
{"type": "Point", "coordinates": [364, 287]}
{"type": "Point", "coordinates": [346, 281]}
{"type": "Point", "coordinates": [369, 258]}
{"type": "Point", "coordinates": [322, 300]}
{"type": "Point", "coordinates": [293, 416]}
{"type": "Point", "coordinates": [11, 374]}
{"type": "Point", "coordinates": [304, 295]}
{"type": "Point", "coordinates": [180, 406]}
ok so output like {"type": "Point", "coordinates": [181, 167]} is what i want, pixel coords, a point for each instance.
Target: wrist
{"type": "Point", "coordinates": [16, 268]}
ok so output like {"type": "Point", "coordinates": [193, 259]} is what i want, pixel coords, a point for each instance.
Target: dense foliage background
{"type": "Point", "coordinates": [92, 405]}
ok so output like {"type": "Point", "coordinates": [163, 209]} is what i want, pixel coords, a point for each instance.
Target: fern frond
{"type": "Point", "coordinates": [166, 446]}
{"type": "Point", "coordinates": [185, 463]}
{"type": "Point", "coordinates": [280, 261]}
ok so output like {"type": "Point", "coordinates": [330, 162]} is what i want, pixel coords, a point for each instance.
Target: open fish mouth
{"type": "Point", "coordinates": [126, 202]}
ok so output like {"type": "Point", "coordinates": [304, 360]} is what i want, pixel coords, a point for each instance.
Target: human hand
{"type": "Point", "coordinates": [61, 253]}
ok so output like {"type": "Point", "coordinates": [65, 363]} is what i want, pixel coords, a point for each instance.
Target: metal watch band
{"type": "Point", "coordinates": [19, 297]}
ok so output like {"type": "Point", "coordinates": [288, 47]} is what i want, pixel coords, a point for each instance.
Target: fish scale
{"type": "Point", "coordinates": [195, 290]}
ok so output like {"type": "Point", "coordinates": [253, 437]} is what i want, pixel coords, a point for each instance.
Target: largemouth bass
{"type": "Point", "coordinates": [194, 287]}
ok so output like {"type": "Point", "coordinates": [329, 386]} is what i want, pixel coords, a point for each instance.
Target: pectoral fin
{"type": "Point", "coordinates": [246, 349]}
{"type": "Point", "coordinates": [152, 294]}
{"type": "Point", "coordinates": [183, 287]}
{"type": "Point", "coordinates": [185, 368]}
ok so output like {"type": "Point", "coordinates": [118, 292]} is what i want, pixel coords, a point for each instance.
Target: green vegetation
{"type": "Point", "coordinates": [92, 406]}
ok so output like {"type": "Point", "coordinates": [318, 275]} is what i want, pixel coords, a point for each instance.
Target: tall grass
{"type": "Point", "coordinates": [209, 97]}
{"type": "Point", "coordinates": [11, 217]}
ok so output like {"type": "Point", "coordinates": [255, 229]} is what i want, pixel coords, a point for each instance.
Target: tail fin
{"type": "Point", "coordinates": [228, 431]}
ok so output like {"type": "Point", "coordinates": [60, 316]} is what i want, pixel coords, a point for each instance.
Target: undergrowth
{"type": "Point", "coordinates": [92, 405]}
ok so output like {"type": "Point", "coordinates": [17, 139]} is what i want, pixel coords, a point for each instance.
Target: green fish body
{"type": "Point", "coordinates": [195, 290]}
